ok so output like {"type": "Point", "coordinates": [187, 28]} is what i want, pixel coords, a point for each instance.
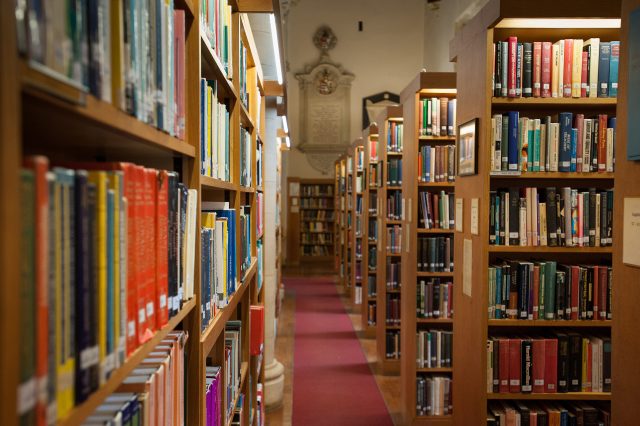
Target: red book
{"type": "Point", "coordinates": [139, 253]}
{"type": "Point", "coordinates": [537, 68]}
{"type": "Point", "coordinates": [584, 80]}
{"type": "Point", "coordinates": [568, 68]}
{"type": "Point", "coordinates": [538, 365]}
{"type": "Point", "coordinates": [575, 292]}
{"type": "Point", "coordinates": [602, 142]}
{"type": "Point", "coordinates": [162, 247]}
{"type": "Point", "coordinates": [514, 365]}
{"type": "Point", "coordinates": [40, 166]}
{"type": "Point", "coordinates": [603, 283]}
{"type": "Point", "coordinates": [179, 66]}
{"type": "Point", "coordinates": [545, 78]}
{"type": "Point", "coordinates": [257, 329]}
{"type": "Point", "coordinates": [150, 247]}
{"type": "Point", "coordinates": [550, 365]}
{"type": "Point", "coordinates": [503, 373]}
{"type": "Point", "coordinates": [512, 55]}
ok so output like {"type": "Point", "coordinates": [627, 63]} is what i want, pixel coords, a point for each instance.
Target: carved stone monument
{"type": "Point", "coordinates": [325, 106]}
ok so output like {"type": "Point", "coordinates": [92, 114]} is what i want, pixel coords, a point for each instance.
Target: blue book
{"type": "Point", "coordinates": [427, 164]}
{"type": "Point", "coordinates": [536, 147]}
{"type": "Point", "coordinates": [564, 156]}
{"type": "Point", "coordinates": [450, 114]}
{"type": "Point", "coordinates": [574, 150]}
{"type": "Point", "coordinates": [514, 118]}
{"type": "Point", "coordinates": [208, 284]}
{"type": "Point", "coordinates": [111, 344]}
{"type": "Point", "coordinates": [400, 172]}
{"type": "Point", "coordinates": [613, 68]}
{"type": "Point", "coordinates": [498, 310]}
{"type": "Point", "coordinates": [530, 143]}
{"type": "Point", "coordinates": [603, 69]}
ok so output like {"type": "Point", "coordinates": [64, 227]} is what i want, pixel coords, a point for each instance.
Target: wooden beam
{"type": "Point", "coordinates": [272, 88]}
{"type": "Point", "coordinates": [255, 6]}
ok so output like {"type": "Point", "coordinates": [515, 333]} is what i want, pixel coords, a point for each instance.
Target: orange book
{"type": "Point", "coordinates": [257, 329]}
{"type": "Point", "coordinates": [149, 244]}
{"type": "Point", "coordinates": [139, 255]}
{"type": "Point", "coordinates": [162, 247]}
{"type": "Point", "coordinates": [40, 165]}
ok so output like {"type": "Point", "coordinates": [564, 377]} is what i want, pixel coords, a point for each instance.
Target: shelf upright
{"type": "Point", "coordinates": [388, 277]}
{"type": "Point", "coordinates": [424, 86]}
{"type": "Point", "coordinates": [357, 235]}
{"type": "Point", "coordinates": [369, 240]}
{"type": "Point", "coordinates": [348, 233]}
{"type": "Point", "coordinates": [472, 50]}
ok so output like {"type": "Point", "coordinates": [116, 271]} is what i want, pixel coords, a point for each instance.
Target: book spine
{"type": "Point", "coordinates": [527, 69]}
{"type": "Point", "coordinates": [604, 69]}
{"type": "Point", "coordinates": [512, 65]}
{"type": "Point", "coordinates": [537, 69]}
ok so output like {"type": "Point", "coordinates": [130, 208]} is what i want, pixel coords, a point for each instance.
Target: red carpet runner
{"type": "Point", "coordinates": [332, 382]}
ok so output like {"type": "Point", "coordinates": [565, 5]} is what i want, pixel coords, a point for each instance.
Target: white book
{"type": "Point", "coordinates": [594, 60]}
{"type": "Point", "coordinates": [555, 69]}
{"type": "Point", "coordinates": [554, 148]}
{"type": "Point", "coordinates": [192, 203]}
{"type": "Point", "coordinates": [523, 222]}
{"type": "Point", "coordinates": [561, 76]}
{"type": "Point", "coordinates": [610, 143]}
{"type": "Point", "coordinates": [576, 71]}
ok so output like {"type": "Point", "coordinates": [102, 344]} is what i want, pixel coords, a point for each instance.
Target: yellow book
{"type": "Point", "coordinates": [208, 220]}
{"type": "Point", "coordinates": [100, 180]}
{"type": "Point", "coordinates": [586, 376]}
{"type": "Point", "coordinates": [576, 71]}
{"type": "Point", "coordinates": [117, 55]}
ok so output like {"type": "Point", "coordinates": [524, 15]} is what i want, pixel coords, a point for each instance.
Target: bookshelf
{"type": "Point", "coordinates": [425, 87]}
{"type": "Point", "coordinates": [340, 202]}
{"type": "Point", "coordinates": [358, 268]}
{"type": "Point", "coordinates": [472, 50]}
{"type": "Point", "coordinates": [45, 113]}
{"type": "Point", "coordinates": [348, 229]}
{"type": "Point", "coordinates": [390, 122]}
{"type": "Point", "coordinates": [372, 177]}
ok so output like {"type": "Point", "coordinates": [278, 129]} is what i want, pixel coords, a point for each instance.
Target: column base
{"type": "Point", "coordinates": [274, 384]}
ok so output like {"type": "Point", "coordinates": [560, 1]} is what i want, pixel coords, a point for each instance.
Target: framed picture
{"type": "Point", "coordinates": [468, 148]}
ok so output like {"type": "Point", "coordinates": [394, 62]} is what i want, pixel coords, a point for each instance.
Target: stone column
{"type": "Point", "coordinates": [274, 370]}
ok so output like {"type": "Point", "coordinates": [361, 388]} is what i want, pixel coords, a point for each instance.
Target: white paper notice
{"type": "Point", "coordinates": [467, 258]}
{"type": "Point", "coordinates": [459, 217]}
{"type": "Point", "coordinates": [474, 216]}
{"type": "Point", "coordinates": [631, 234]}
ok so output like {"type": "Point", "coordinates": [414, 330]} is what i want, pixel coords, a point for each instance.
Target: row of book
{"type": "Point", "coordinates": [564, 143]}
{"type": "Point", "coordinates": [245, 157]}
{"type": "Point", "coordinates": [548, 217]}
{"type": "Point", "coordinates": [232, 363]}
{"type": "Point", "coordinates": [244, 94]}
{"type": "Point", "coordinates": [130, 55]}
{"type": "Point", "coordinates": [110, 243]}
{"type": "Point", "coordinates": [316, 227]}
{"type": "Point", "coordinates": [244, 246]}
{"type": "Point", "coordinates": [215, 20]}
{"type": "Point", "coordinates": [375, 175]}
{"type": "Point", "coordinates": [153, 393]}
{"type": "Point", "coordinates": [437, 163]}
{"type": "Point", "coordinates": [324, 214]}
{"type": "Point", "coordinates": [308, 190]}
{"type": "Point", "coordinates": [436, 210]}
{"type": "Point", "coordinates": [395, 141]}
{"type": "Point", "coordinates": [434, 298]}
{"type": "Point", "coordinates": [394, 204]}
{"type": "Point", "coordinates": [546, 413]}
{"type": "Point", "coordinates": [563, 363]}
{"type": "Point", "coordinates": [372, 258]}
{"type": "Point", "coordinates": [218, 259]}
{"type": "Point", "coordinates": [215, 148]}
{"type": "Point", "coordinates": [393, 309]}
{"type": "Point", "coordinates": [373, 230]}
{"type": "Point", "coordinates": [373, 150]}
{"type": "Point", "coordinates": [569, 68]}
{"type": "Point", "coordinates": [320, 203]}
{"type": "Point", "coordinates": [326, 238]}
{"type": "Point", "coordinates": [357, 297]}
{"type": "Point", "coordinates": [393, 274]}
{"type": "Point", "coordinates": [546, 290]}
{"type": "Point", "coordinates": [259, 162]}
{"type": "Point", "coordinates": [371, 313]}
{"type": "Point", "coordinates": [394, 171]}
{"type": "Point", "coordinates": [394, 239]}
{"type": "Point", "coordinates": [434, 395]}
{"type": "Point", "coordinates": [435, 254]}
{"type": "Point", "coordinates": [315, 250]}
{"type": "Point", "coordinates": [434, 349]}
{"type": "Point", "coordinates": [392, 344]}
{"type": "Point", "coordinates": [437, 117]}
{"type": "Point", "coordinates": [371, 286]}
{"type": "Point", "coordinates": [359, 157]}
{"type": "Point", "coordinates": [373, 203]}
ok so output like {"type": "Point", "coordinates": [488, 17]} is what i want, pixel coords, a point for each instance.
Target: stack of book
{"type": "Point", "coordinates": [569, 68]}
{"type": "Point", "coordinates": [435, 349]}
{"type": "Point", "coordinates": [435, 254]}
{"type": "Point", "coordinates": [394, 239]}
{"type": "Point", "coordinates": [545, 290]}
{"type": "Point", "coordinates": [434, 298]}
{"type": "Point", "coordinates": [393, 309]}
{"type": "Point", "coordinates": [392, 344]}
{"type": "Point", "coordinates": [564, 143]}
{"type": "Point", "coordinates": [232, 362]}
{"type": "Point", "coordinates": [433, 396]}
{"type": "Point", "coordinates": [534, 413]}
{"type": "Point", "coordinates": [215, 19]}
{"type": "Point", "coordinates": [393, 274]}
{"type": "Point", "coordinates": [214, 133]}
{"type": "Point", "coordinates": [394, 171]}
{"type": "Point", "coordinates": [118, 243]}
{"type": "Point", "coordinates": [394, 137]}
{"type": "Point", "coordinates": [562, 363]}
{"type": "Point", "coordinates": [437, 117]}
{"type": "Point", "coordinates": [213, 395]}
{"type": "Point", "coordinates": [548, 217]}
{"type": "Point", "coordinates": [394, 205]}
{"type": "Point", "coordinates": [437, 163]}
{"type": "Point", "coordinates": [436, 210]}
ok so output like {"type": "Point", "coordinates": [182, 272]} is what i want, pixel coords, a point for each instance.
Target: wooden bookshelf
{"type": "Point", "coordinates": [392, 114]}
{"type": "Point", "coordinates": [44, 113]}
{"type": "Point", "coordinates": [424, 85]}
{"type": "Point", "coordinates": [358, 232]}
{"type": "Point", "coordinates": [472, 50]}
{"type": "Point", "coordinates": [348, 228]}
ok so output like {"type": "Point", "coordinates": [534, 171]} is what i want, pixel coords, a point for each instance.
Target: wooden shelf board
{"type": "Point", "coordinates": [213, 69]}
{"type": "Point", "coordinates": [434, 320]}
{"type": "Point", "coordinates": [209, 183]}
{"type": "Point", "coordinates": [548, 323]}
{"type": "Point", "coordinates": [552, 175]}
{"type": "Point", "coordinates": [393, 254]}
{"type": "Point", "coordinates": [393, 222]}
{"type": "Point", "coordinates": [434, 370]}
{"type": "Point", "coordinates": [70, 108]}
{"type": "Point", "coordinates": [392, 327]}
{"type": "Point", "coordinates": [434, 274]}
{"type": "Point", "coordinates": [436, 184]}
{"type": "Point", "coordinates": [550, 102]}
{"type": "Point", "coordinates": [213, 330]}
{"type": "Point", "coordinates": [81, 412]}
{"type": "Point", "coordinates": [394, 187]}
{"type": "Point", "coordinates": [247, 189]}
{"type": "Point", "coordinates": [394, 154]}
{"type": "Point", "coordinates": [574, 396]}
{"type": "Point", "coordinates": [546, 249]}
{"type": "Point", "coordinates": [435, 231]}
{"type": "Point", "coordinates": [437, 138]}
{"type": "Point", "coordinates": [433, 420]}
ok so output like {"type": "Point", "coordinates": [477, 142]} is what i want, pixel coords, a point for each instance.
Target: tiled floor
{"type": "Point", "coordinates": [389, 385]}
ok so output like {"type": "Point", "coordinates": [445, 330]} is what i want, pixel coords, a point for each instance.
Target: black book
{"type": "Point", "coordinates": [502, 219]}
{"type": "Point", "coordinates": [514, 297]}
{"type": "Point", "coordinates": [609, 217]}
{"type": "Point", "coordinates": [514, 217]}
{"type": "Point", "coordinates": [561, 285]}
{"type": "Point", "coordinates": [527, 70]}
{"type": "Point", "coordinates": [583, 285]}
{"type": "Point", "coordinates": [594, 145]}
{"type": "Point", "coordinates": [492, 216]}
{"type": "Point", "coordinates": [575, 362]}
{"type": "Point", "coordinates": [592, 217]}
{"type": "Point", "coordinates": [523, 293]}
{"type": "Point", "coordinates": [496, 365]}
{"type": "Point", "coordinates": [609, 296]}
{"type": "Point", "coordinates": [606, 364]}
{"type": "Point", "coordinates": [173, 243]}
{"type": "Point", "coordinates": [603, 218]}
{"type": "Point", "coordinates": [497, 78]}
{"type": "Point", "coordinates": [591, 272]}
{"type": "Point", "coordinates": [92, 207]}
{"type": "Point", "coordinates": [523, 410]}
{"type": "Point", "coordinates": [526, 366]}
{"type": "Point", "coordinates": [563, 363]}
{"type": "Point", "coordinates": [519, 70]}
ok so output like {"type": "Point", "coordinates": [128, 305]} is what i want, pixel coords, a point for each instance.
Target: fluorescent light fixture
{"type": "Point", "coordinates": [276, 47]}
{"type": "Point", "coordinates": [285, 125]}
{"type": "Point", "coordinates": [559, 23]}
{"type": "Point", "coordinates": [288, 142]}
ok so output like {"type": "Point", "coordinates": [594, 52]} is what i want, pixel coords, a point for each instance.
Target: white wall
{"type": "Point", "coordinates": [385, 56]}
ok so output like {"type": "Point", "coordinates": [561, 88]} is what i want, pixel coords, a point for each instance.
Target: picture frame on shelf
{"type": "Point", "coordinates": [467, 147]}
